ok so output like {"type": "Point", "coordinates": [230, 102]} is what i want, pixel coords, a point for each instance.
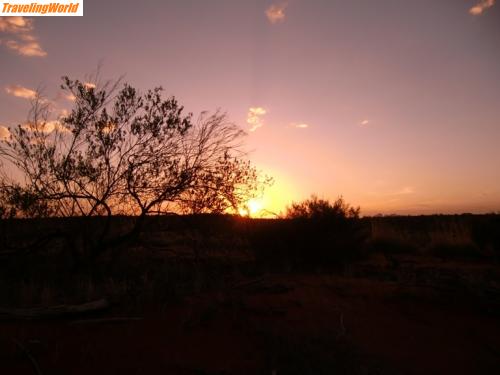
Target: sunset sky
{"type": "Point", "coordinates": [394, 104]}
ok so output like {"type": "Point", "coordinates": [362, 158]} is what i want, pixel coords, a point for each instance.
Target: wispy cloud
{"type": "Point", "coordinates": [301, 125]}
{"type": "Point", "coordinates": [89, 85]}
{"type": "Point", "coordinates": [254, 118]}
{"type": "Point", "coordinates": [20, 92]}
{"type": "Point", "coordinates": [364, 122]}
{"type": "Point", "coordinates": [46, 126]}
{"type": "Point", "coordinates": [276, 13]}
{"type": "Point", "coordinates": [63, 112]}
{"type": "Point", "coordinates": [20, 37]}
{"type": "Point", "coordinates": [381, 189]}
{"type": "Point", "coordinates": [70, 97]}
{"type": "Point", "coordinates": [405, 191]}
{"type": "Point", "coordinates": [481, 7]}
{"type": "Point", "coordinates": [26, 48]}
{"type": "Point", "coordinates": [64, 95]}
{"type": "Point", "coordinates": [4, 133]}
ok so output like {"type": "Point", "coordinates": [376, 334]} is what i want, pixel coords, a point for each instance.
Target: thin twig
{"type": "Point", "coordinates": [342, 329]}
{"type": "Point", "coordinates": [28, 355]}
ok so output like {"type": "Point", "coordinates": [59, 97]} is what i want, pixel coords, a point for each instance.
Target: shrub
{"type": "Point", "coordinates": [314, 233]}
{"type": "Point", "coordinates": [316, 208]}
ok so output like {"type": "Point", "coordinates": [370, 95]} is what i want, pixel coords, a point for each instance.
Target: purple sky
{"type": "Point", "coordinates": [395, 104]}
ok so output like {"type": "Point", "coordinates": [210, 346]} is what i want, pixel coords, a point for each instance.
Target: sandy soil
{"type": "Point", "coordinates": [275, 324]}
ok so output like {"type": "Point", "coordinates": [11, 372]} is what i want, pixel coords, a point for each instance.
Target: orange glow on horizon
{"type": "Point", "coordinates": [274, 200]}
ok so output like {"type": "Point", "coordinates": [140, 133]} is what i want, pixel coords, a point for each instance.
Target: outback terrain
{"type": "Point", "coordinates": [228, 295]}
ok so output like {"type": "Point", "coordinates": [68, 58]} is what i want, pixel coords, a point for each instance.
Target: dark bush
{"type": "Point", "coordinates": [455, 251]}
{"type": "Point", "coordinates": [322, 209]}
{"type": "Point", "coordinates": [392, 246]}
{"type": "Point", "coordinates": [314, 234]}
{"type": "Point", "coordinates": [486, 234]}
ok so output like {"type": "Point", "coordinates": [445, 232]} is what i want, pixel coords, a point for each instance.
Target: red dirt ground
{"type": "Point", "coordinates": [386, 328]}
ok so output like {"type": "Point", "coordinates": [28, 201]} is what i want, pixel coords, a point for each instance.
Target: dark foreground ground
{"type": "Point", "coordinates": [221, 310]}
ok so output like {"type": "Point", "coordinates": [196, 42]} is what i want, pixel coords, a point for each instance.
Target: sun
{"type": "Point", "coordinates": [252, 207]}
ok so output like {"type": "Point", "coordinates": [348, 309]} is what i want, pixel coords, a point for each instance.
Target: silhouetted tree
{"type": "Point", "coordinates": [122, 152]}
{"type": "Point", "coordinates": [228, 185]}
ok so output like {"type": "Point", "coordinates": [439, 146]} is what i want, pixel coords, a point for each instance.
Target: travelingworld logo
{"type": "Point", "coordinates": [41, 8]}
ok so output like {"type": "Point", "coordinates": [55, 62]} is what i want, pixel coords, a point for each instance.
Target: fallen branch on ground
{"type": "Point", "coordinates": [53, 311]}
{"type": "Point", "coordinates": [250, 282]}
{"type": "Point", "coordinates": [124, 319]}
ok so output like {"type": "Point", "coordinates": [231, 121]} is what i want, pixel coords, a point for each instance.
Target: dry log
{"type": "Point", "coordinates": [124, 319]}
{"type": "Point", "coordinates": [53, 311]}
{"type": "Point", "coordinates": [246, 283]}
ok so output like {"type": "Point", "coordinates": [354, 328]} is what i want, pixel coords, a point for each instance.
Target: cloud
{"type": "Point", "coordinates": [254, 117]}
{"type": "Point", "coordinates": [46, 126]}
{"type": "Point", "coordinates": [20, 37]}
{"type": "Point", "coordinates": [55, 125]}
{"type": "Point", "coordinates": [109, 128]}
{"type": "Point", "coordinates": [21, 92]}
{"type": "Point", "coordinates": [405, 191]}
{"type": "Point", "coordinates": [276, 13]}
{"type": "Point", "coordinates": [26, 48]}
{"type": "Point", "coordinates": [4, 133]}
{"type": "Point", "coordinates": [70, 97]}
{"type": "Point", "coordinates": [299, 125]}
{"type": "Point", "coordinates": [481, 7]}
{"type": "Point", "coordinates": [364, 122]}
{"type": "Point", "coordinates": [64, 95]}
{"type": "Point", "coordinates": [63, 112]}
{"type": "Point", "coordinates": [14, 25]}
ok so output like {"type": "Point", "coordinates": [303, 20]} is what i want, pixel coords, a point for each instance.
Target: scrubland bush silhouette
{"type": "Point", "coordinates": [313, 233]}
